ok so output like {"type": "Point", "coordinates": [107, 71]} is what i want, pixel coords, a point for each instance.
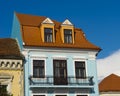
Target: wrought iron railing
{"type": "Point", "coordinates": [51, 80]}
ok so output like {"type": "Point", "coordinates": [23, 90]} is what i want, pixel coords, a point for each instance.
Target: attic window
{"type": "Point", "coordinates": [48, 34]}
{"type": "Point", "coordinates": [67, 36]}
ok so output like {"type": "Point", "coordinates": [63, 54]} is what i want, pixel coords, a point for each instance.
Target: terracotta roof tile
{"type": "Point", "coordinates": [32, 37]}
{"type": "Point", "coordinates": [9, 49]}
{"type": "Point", "coordinates": [110, 83]}
{"type": "Point", "coordinates": [30, 20]}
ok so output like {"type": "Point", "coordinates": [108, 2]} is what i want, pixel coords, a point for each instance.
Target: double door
{"type": "Point", "coordinates": [60, 72]}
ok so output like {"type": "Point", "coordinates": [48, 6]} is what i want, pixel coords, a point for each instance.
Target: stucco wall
{"type": "Point", "coordinates": [70, 55]}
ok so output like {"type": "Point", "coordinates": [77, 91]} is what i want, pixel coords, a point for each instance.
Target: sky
{"type": "Point", "coordinates": [99, 20]}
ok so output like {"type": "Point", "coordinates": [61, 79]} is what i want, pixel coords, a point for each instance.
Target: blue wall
{"type": "Point", "coordinates": [70, 57]}
{"type": "Point", "coordinates": [16, 31]}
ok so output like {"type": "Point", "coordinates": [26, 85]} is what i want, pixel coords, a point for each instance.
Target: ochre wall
{"type": "Point", "coordinates": [17, 83]}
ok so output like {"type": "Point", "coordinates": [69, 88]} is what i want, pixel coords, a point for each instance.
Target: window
{"type": "Point", "coordinates": [60, 72]}
{"type": "Point", "coordinates": [3, 90]}
{"type": "Point", "coordinates": [80, 69]}
{"type": "Point", "coordinates": [67, 36]}
{"type": "Point", "coordinates": [48, 34]}
{"type": "Point", "coordinates": [38, 68]}
{"type": "Point", "coordinates": [60, 95]}
{"type": "Point", "coordinates": [38, 95]}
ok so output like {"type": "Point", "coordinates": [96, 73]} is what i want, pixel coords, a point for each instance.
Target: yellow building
{"type": "Point", "coordinates": [11, 68]}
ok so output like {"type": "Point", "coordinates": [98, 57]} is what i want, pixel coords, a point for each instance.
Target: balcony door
{"type": "Point", "coordinates": [60, 72]}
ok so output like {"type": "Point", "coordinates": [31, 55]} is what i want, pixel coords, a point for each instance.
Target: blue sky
{"type": "Point", "coordinates": [99, 19]}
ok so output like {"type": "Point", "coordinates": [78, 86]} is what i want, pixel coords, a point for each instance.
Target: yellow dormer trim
{"type": "Point", "coordinates": [67, 25]}
{"type": "Point", "coordinates": [43, 26]}
{"type": "Point", "coordinates": [47, 23]}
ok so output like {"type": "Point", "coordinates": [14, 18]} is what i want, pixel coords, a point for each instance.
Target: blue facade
{"type": "Point", "coordinates": [47, 84]}
{"type": "Point", "coordinates": [84, 86]}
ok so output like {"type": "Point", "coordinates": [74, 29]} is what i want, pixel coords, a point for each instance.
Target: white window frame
{"type": "Point", "coordinates": [38, 94]}
{"type": "Point", "coordinates": [80, 61]}
{"type": "Point", "coordinates": [81, 94]}
{"type": "Point", "coordinates": [60, 94]}
{"type": "Point", "coordinates": [37, 58]}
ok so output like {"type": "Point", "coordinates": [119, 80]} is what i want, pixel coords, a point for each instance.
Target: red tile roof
{"type": "Point", "coordinates": [32, 37]}
{"type": "Point", "coordinates": [9, 49]}
{"type": "Point", "coordinates": [110, 83]}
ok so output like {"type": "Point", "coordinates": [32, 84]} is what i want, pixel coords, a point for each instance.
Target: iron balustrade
{"type": "Point", "coordinates": [50, 80]}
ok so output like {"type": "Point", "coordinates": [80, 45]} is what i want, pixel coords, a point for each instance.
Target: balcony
{"type": "Point", "coordinates": [69, 82]}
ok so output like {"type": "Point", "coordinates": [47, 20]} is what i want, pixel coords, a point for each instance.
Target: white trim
{"type": "Point", "coordinates": [60, 94]}
{"type": "Point", "coordinates": [80, 58]}
{"type": "Point", "coordinates": [37, 58]}
{"type": "Point", "coordinates": [81, 94]}
{"type": "Point", "coordinates": [47, 21]}
{"type": "Point", "coordinates": [85, 66]}
{"type": "Point", "coordinates": [58, 50]}
{"type": "Point", "coordinates": [32, 94]}
{"type": "Point", "coordinates": [59, 57]}
{"type": "Point", "coordinates": [67, 22]}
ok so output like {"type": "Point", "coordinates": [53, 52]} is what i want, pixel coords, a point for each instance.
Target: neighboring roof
{"type": "Point", "coordinates": [9, 49]}
{"type": "Point", "coordinates": [110, 83]}
{"type": "Point", "coordinates": [32, 37]}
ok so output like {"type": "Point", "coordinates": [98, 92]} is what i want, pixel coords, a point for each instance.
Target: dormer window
{"type": "Point", "coordinates": [48, 34]}
{"type": "Point", "coordinates": [67, 36]}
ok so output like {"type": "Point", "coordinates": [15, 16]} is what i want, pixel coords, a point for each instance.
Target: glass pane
{"type": "Point", "coordinates": [38, 68]}
{"type": "Point", "coordinates": [67, 36]}
{"type": "Point", "coordinates": [57, 72]}
{"type": "Point", "coordinates": [48, 30]}
{"type": "Point", "coordinates": [67, 31]}
{"type": "Point", "coordinates": [48, 34]}
{"type": "Point", "coordinates": [38, 62]}
{"type": "Point", "coordinates": [80, 69]}
{"type": "Point", "coordinates": [41, 72]}
{"type": "Point", "coordinates": [36, 72]}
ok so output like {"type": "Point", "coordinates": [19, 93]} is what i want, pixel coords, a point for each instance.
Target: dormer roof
{"type": "Point", "coordinates": [48, 21]}
{"type": "Point", "coordinates": [67, 22]}
{"type": "Point", "coordinates": [31, 33]}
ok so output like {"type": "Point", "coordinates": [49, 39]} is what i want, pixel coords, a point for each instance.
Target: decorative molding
{"type": "Point", "coordinates": [67, 22]}
{"type": "Point", "coordinates": [47, 21]}
{"type": "Point", "coordinates": [60, 57]}
{"type": "Point", "coordinates": [80, 58]}
{"type": "Point", "coordinates": [38, 56]}
{"type": "Point", "coordinates": [11, 64]}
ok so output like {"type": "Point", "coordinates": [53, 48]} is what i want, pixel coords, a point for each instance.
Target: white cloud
{"type": "Point", "coordinates": [109, 65]}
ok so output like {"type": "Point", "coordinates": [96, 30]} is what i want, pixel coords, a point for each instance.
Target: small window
{"type": "Point", "coordinates": [48, 34]}
{"type": "Point", "coordinates": [3, 90]}
{"type": "Point", "coordinates": [67, 36]}
{"type": "Point", "coordinates": [80, 69]}
{"type": "Point", "coordinates": [38, 68]}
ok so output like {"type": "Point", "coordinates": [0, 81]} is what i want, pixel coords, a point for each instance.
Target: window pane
{"type": "Point", "coordinates": [60, 68]}
{"type": "Point", "coordinates": [38, 95]}
{"type": "Point", "coordinates": [38, 68]}
{"type": "Point", "coordinates": [80, 69]}
{"type": "Point", "coordinates": [67, 35]}
{"type": "Point", "coordinates": [3, 90]}
{"type": "Point", "coordinates": [48, 34]}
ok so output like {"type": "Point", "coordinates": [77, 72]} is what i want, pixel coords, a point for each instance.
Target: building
{"type": "Point", "coordinates": [60, 60]}
{"type": "Point", "coordinates": [11, 68]}
{"type": "Point", "coordinates": [110, 86]}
